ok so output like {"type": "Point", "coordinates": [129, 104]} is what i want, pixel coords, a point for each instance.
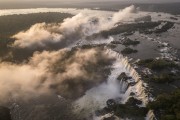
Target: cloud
{"type": "Point", "coordinates": [64, 72]}
{"type": "Point", "coordinates": [19, 81]}
{"type": "Point", "coordinates": [37, 35]}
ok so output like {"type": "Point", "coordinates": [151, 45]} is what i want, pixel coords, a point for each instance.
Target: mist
{"type": "Point", "coordinates": [70, 30]}
{"type": "Point", "coordinates": [65, 71]}
{"type": "Point", "coordinates": [59, 72]}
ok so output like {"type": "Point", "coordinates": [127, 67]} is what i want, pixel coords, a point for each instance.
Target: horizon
{"type": "Point", "coordinates": [117, 4]}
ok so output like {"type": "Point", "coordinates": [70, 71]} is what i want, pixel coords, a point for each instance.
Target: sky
{"type": "Point", "coordinates": [93, 0]}
{"type": "Point", "coordinates": [11, 4]}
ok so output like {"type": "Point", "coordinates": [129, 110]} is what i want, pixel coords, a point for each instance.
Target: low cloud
{"type": "Point", "coordinates": [66, 72]}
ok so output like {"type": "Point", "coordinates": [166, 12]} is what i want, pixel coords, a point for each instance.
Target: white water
{"type": "Point", "coordinates": [138, 88]}
{"type": "Point", "coordinates": [150, 116]}
{"type": "Point", "coordinates": [96, 97]}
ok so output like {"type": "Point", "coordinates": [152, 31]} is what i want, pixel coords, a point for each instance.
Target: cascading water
{"type": "Point", "coordinates": [150, 115]}
{"type": "Point", "coordinates": [138, 88]}
{"type": "Point", "coordinates": [118, 90]}
{"type": "Point", "coordinates": [96, 97]}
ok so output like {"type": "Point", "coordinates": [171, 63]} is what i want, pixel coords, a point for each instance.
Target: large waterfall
{"type": "Point", "coordinates": [138, 88]}
{"type": "Point", "coordinates": [119, 90]}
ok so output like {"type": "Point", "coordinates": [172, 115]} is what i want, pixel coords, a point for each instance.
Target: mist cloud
{"type": "Point", "coordinates": [59, 72]}
{"type": "Point", "coordinates": [37, 35]}
{"type": "Point", "coordinates": [71, 30]}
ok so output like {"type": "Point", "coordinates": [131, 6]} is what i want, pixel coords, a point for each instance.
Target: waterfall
{"type": "Point", "coordinates": [150, 116]}
{"type": "Point", "coordinates": [138, 88]}
{"type": "Point", "coordinates": [120, 90]}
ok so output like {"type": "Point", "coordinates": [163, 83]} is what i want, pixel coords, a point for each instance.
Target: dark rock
{"type": "Point", "coordinates": [129, 109]}
{"type": "Point", "coordinates": [132, 83]}
{"type": "Point", "coordinates": [126, 41]}
{"type": "Point", "coordinates": [116, 42]}
{"type": "Point", "coordinates": [109, 118]}
{"type": "Point", "coordinates": [103, 111]}
{"type": "Point", "coordinates": [144, 19]}
{"type": "Point", "coordinates": [4, 113]}
{"type": "Point", "coordinates": [132, 94]}
{"type": "Point", "coordinates": [128, 51]}
{"type": "Point", "coordinates": [164, 28]}
{"type": "Point", "coordinates": [111, 103]}
{"type": "Point", "coordinates": [133, 102]}
{"type": "Point", "coordinates": [111, 46]}
{"type": "Point", "coordinates": [128, 33]}
{"type": "Point", "coordinates": [173, 18]}
{"type": "Point", "coordinates": [122, 76]}
{"type": "Point", "coordinates": [133, 112]}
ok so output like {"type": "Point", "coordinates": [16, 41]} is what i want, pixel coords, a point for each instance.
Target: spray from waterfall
{"type": "Point", "coordinates": [119, 90]}
{"type": "Point", "coordinates": [42, 35]}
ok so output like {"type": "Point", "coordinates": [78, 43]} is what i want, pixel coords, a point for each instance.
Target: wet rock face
{"type": "Point", "coordinates": [111, 103]}
{"type": "Point", "coordinates": [133, 102]}
{"type": "Point", "coordinates": [123, 76]}
{"type": "Point", "coordinates": [5, 113]}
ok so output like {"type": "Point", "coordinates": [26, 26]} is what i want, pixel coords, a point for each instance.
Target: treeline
{"type": "Point", "coordinates": [167, 106]}
{"type": "Point", "coordinates": [11, 24]}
